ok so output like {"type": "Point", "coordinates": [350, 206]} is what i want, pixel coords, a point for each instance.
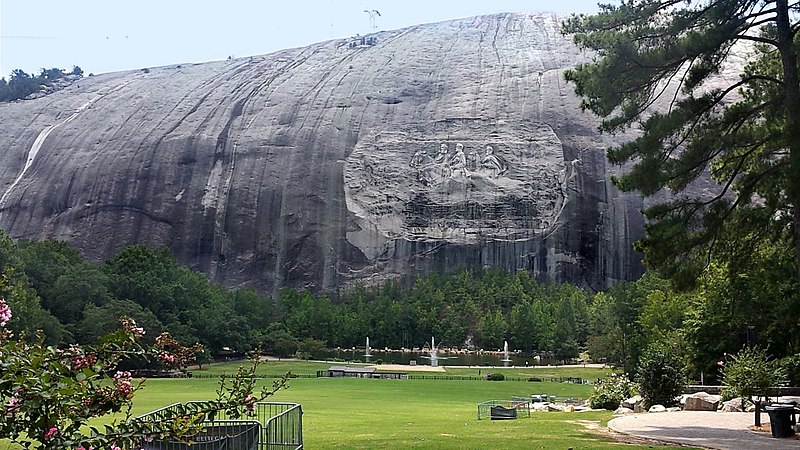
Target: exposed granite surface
{"type": "Point", "coordinates": [317, 166]}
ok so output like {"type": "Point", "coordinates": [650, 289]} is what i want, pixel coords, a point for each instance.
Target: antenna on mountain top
{"type": "Point", "coordinates": [373, 18]}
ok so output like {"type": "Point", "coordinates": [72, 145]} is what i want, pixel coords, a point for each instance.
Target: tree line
{"type": "Point", "coordinates": [53, 288]}
{"type": "Point", "coordinates": [21, 84]}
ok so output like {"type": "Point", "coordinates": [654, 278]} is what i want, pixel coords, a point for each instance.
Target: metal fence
{"type": "Point", "coordinates": [279, 427]}
{"type": "Point", "coordinates": [519, 405]}
{"type": "Point", "coordinates": [573, 380]}
{"type": "Point", "coordinates": [217, 435]}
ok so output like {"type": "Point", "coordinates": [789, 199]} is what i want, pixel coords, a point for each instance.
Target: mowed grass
{"type": "Point", "coordinates": [274, 367]}
{"type": "Point", "coordinates": [348, 413]}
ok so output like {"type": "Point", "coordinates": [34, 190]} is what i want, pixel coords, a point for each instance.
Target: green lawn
{"type": "Point", "coordinates": [436, 414]}
{"type": "Point", "coordinates": [311, 368]}
{"type": "Point", "coordinates": [352, 413]}
{"type": "Point", "coordinates": [587, 373]}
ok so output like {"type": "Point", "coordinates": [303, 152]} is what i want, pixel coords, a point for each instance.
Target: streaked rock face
{"type": "Point", "coordinates": [436, 147]}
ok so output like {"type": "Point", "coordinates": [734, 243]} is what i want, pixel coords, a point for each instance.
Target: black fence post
{"type": "Point", "coordinates": [758, 412]}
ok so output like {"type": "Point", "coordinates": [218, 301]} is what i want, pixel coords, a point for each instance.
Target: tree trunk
{"type": "Point", "coordinates": [792, 99]}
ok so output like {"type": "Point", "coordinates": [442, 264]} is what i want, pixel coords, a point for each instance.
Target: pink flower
{"type": "Point", "coordinates": [249, 404]}
{"type": "Point", "coordinates": [50, 433]}
{"type": "Point", "coordinates": [79, 362]}
{"type": "Point", "coordinates": [13, 404]}
{"type": "Point", "coordinates": [130, 326]}
{"type": "Point", "coordinates": [167, 358]}
{"type": "Point", "coordinates": [122, 382]}
{"type": "Point", "coordinates": [5, 312]}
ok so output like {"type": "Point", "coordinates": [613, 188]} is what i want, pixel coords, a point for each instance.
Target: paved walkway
{"type": "Point", "coordinates": [702, 429]}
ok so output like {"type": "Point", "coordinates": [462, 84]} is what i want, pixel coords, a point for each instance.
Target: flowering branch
{"type": "Point", "coordinates": [48, 394]}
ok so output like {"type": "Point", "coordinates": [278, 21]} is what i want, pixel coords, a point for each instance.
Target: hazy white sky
{"type": "Point", "coordinates": [110, 35]}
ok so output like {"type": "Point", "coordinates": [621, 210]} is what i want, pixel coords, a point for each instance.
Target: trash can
{"type": "Point", "coordinates": [781, 419]}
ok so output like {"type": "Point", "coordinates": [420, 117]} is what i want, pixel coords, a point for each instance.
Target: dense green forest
{"type": "Point", "coordinates": [50, 286]}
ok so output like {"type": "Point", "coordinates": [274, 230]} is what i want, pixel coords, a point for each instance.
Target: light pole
{"type": "Point", "coordinates": [624, 353]}
{"type": "Point", "coordinates": [751, 336]}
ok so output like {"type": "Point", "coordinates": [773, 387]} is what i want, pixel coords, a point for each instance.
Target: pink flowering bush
{"type": "Point", "coordinates": [5, 312]}
{"type": "Point", "coordinates": [174, 356]}
{"type": "Point", "coordinates": [48, 394]}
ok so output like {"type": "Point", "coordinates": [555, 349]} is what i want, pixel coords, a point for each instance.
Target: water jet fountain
{"type": "Point", "coordinates": [505, 359]}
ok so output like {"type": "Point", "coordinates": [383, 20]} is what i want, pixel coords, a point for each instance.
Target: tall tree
{"type": "Point", "coordinates": [745, 132]}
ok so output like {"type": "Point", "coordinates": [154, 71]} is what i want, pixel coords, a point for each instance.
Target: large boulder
{"type": "Point", "coordinates": [352, 160]}
{"type": "Point", "coordinates": [702, 401]}
{"type": "Point", "coordinates": [635, 403]}
{"type": "Point", "coordinates": [734, 405]}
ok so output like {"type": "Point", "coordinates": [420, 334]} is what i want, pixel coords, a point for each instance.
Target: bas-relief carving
{"type": "Point", "coordinates": [459, 187]}
{"type": "Point", "coordinates": [432, 171]}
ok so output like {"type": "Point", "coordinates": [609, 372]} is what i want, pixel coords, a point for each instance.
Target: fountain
{"type": "Point", "coordinates": [367, 354]}
{"type": "Point", "coordinates": [434, 356]}
{"type": "Point", "coordinates": [505, 359]}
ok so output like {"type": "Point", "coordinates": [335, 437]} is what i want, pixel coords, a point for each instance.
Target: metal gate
{"type": "Point", "coordinates": [273, 426]}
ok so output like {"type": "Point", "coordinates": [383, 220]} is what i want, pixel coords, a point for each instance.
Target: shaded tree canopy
{"type": "Point", "coordinates": [744, 132]}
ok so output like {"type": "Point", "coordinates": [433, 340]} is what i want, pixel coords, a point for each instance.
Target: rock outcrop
{"type": "Point", "coordinates": [434, 147]}
{"type": "Point", "coordinates": [635, 403]}
{"type": "Point", "coordinates": [734, 405]}
{"type": "Point", "coordinates": [702, 401]}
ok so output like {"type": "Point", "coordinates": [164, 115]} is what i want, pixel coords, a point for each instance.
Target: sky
{"type": "Point", "coordinates": [112, 35]}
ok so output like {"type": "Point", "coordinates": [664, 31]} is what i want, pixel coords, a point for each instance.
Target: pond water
{"type": "Point", "coordinates": [445, 358]}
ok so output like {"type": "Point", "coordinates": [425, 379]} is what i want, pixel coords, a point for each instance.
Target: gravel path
{"type": "Point", "coordinates": [702, 429]}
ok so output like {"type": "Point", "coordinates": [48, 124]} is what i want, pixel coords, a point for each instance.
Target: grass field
{"type": "Point", "coordinates": [349, 413]}
{"type": "Point", "coordinates": [352, 413]}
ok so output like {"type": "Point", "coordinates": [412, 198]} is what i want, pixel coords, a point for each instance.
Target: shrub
{"type": "Point", "coordinates": [748, 373]}
{"type": "Point", "coordinates": [790, 366]}
{"type": "Point", "coordinates": [495, 377]}
{"type": "Point", "coordinates": [609, 392]}
{"type": "Point", "coordinates": [661, 374]}
{"type": "Point", "coordinates": [309, 348]}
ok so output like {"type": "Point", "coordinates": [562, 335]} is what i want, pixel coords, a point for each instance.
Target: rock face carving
{"type": "Point", "coordinates": [435, 147]}
{"type": "Point", "coordinates": [439, 198]}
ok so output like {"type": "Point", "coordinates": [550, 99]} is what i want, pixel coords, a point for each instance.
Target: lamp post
{"type": "Point", "coordinates": [624, 352]}
{"type": "Point", "coordinates": [751, 335]}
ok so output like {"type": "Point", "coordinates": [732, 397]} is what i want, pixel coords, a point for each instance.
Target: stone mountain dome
{"type": "Point", "coordinates": [434, 147]}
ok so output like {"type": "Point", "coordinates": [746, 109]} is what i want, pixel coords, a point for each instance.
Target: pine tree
{"type": "Point", "coordinates": [745, 133]}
